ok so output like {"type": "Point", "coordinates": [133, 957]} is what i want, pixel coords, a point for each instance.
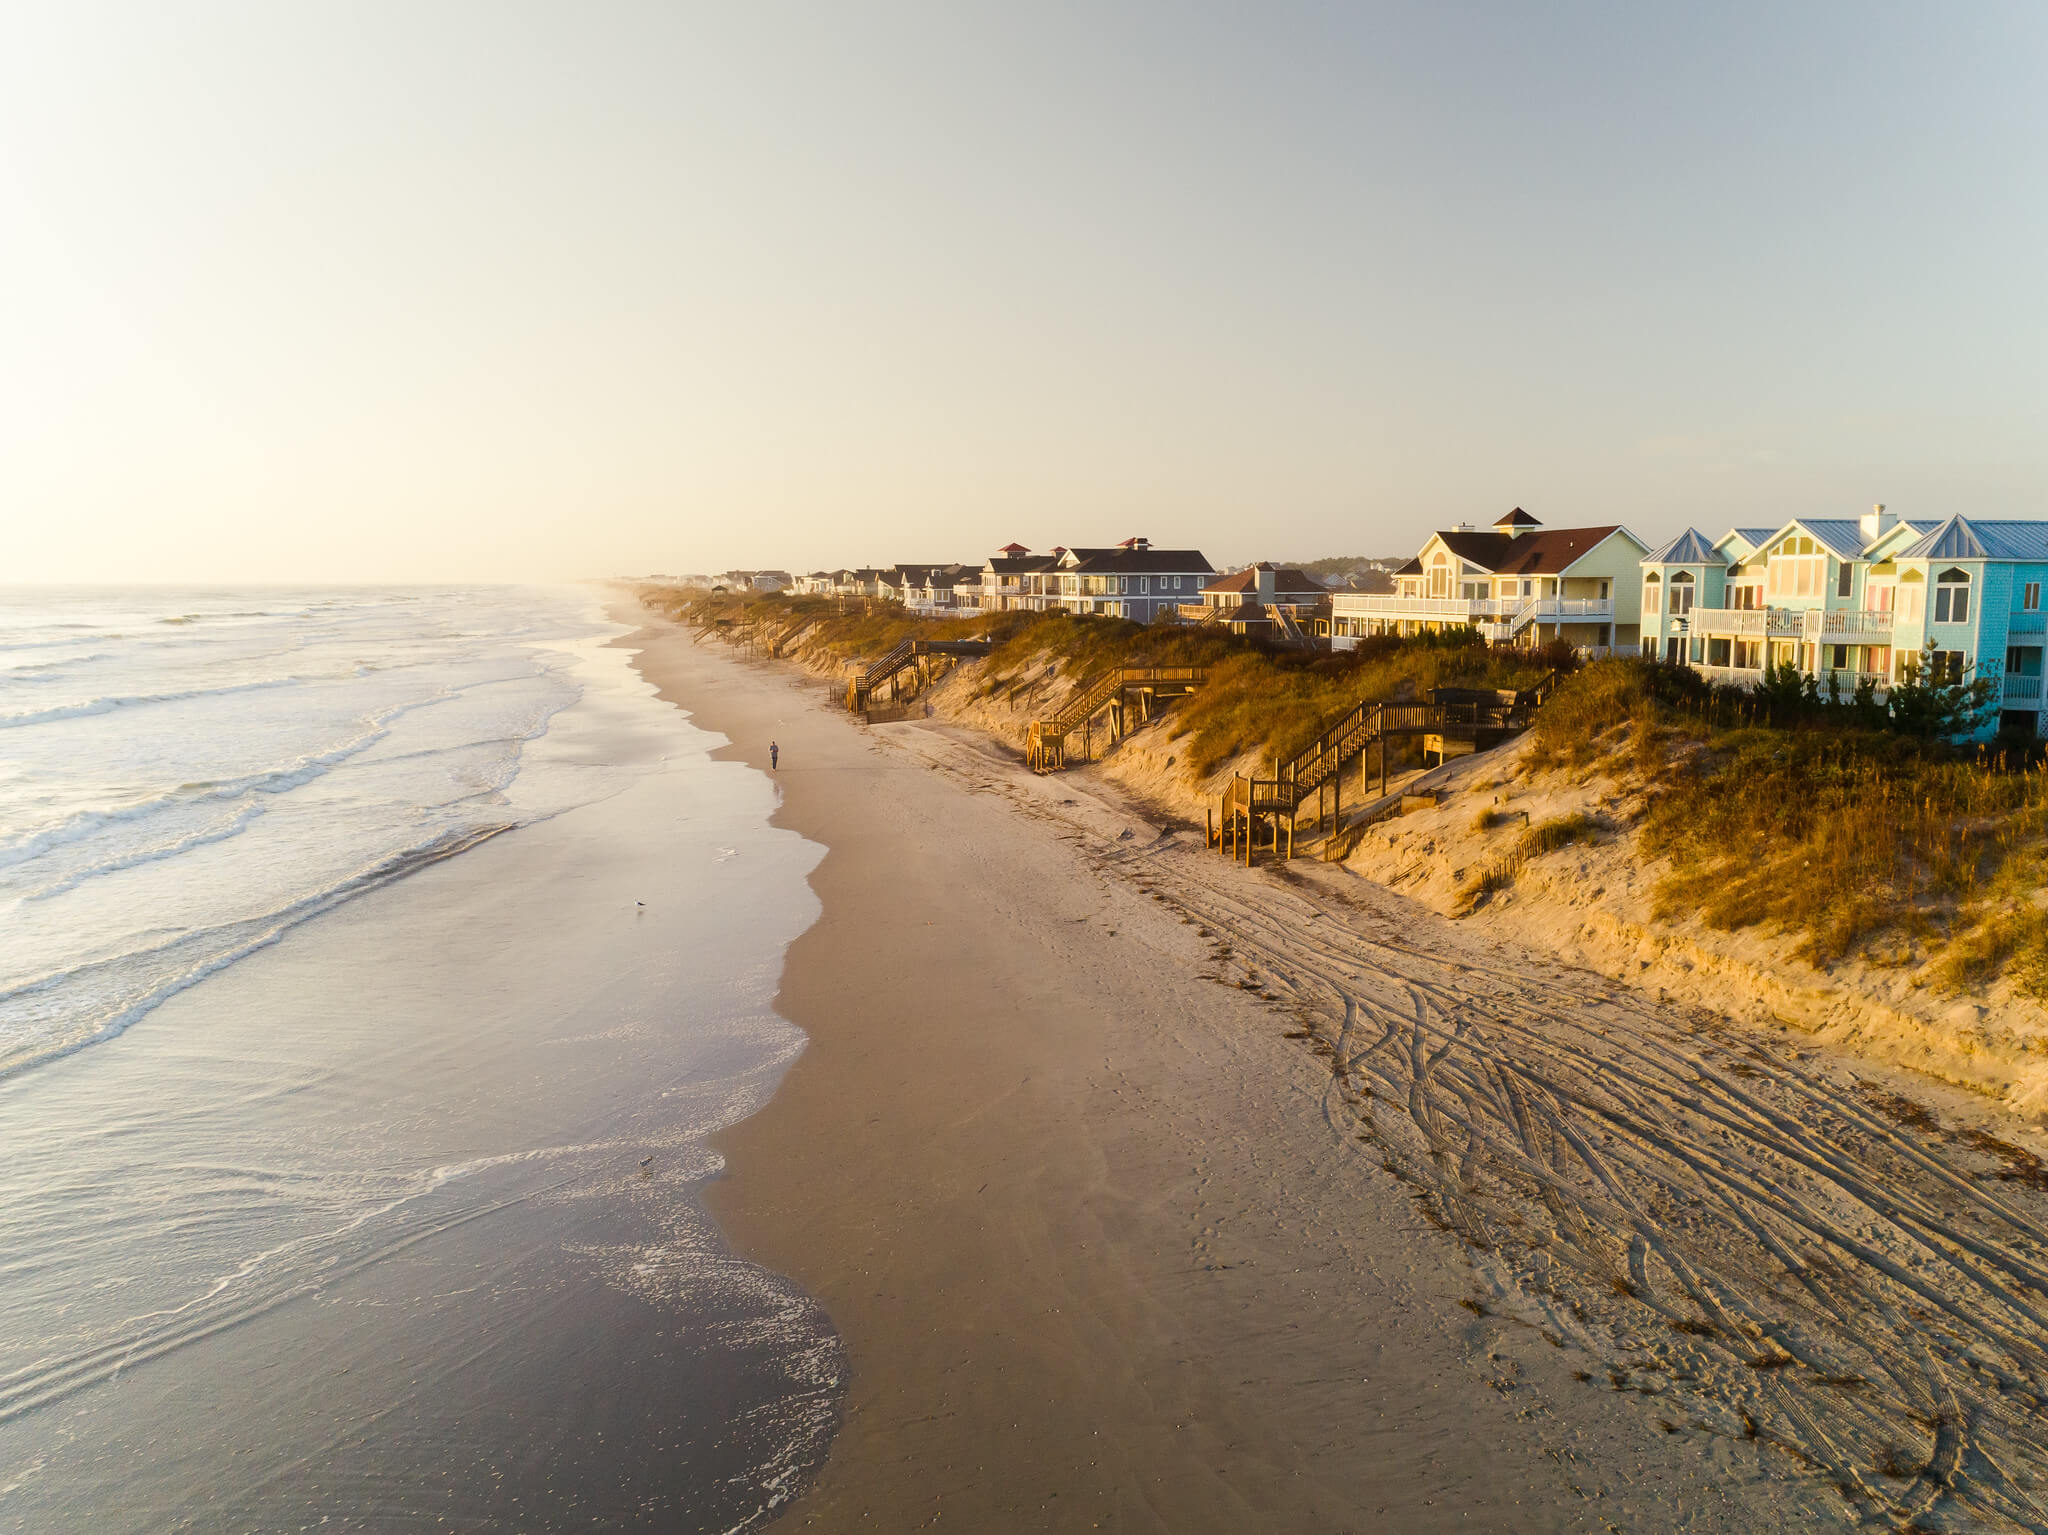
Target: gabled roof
{"type": "Point", "coordinates": [1548, 552]}
{"type": "Point", "coordinates": [1286, 581]}
{"type": "Point", "coordinates": [1013, 550]}
{"type": "Point", "coordinates": [1135, 562]}
{"type": "Point", "coordinates": [1020, 565]}
{"type": "Point", "coordinates": [1960, 539]}
{"type": "Point", "coordinates": [1751, 539]}
{"type": "Point", "coordinates": [1689, 548]}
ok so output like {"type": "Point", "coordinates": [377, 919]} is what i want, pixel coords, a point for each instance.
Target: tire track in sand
{"type": "Point", "coordinates": [1757, 1248]}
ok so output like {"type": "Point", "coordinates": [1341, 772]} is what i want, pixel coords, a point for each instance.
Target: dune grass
{"type": "Point", "coordinates": [1544, 837]}
{"type": "Point", "coordinates": [1861, 842]}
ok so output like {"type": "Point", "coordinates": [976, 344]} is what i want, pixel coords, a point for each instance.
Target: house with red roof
{"type": "Point", "coordinates": [1516, 583]}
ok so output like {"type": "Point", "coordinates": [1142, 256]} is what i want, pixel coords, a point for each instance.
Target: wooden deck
{"type": "Point", "coordinates": [1116, 691]}
{"type": "Point", "coordinates": [862, 687]}
{"type": "Point", "coordinates": [1453, 722]}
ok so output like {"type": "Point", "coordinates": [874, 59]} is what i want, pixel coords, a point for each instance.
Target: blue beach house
{"type": "Point", "coordinates": [1855, 600]}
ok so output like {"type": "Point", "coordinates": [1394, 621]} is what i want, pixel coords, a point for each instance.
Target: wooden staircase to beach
{"type": "Point", "coordinates": [1046, 746]}
{"type": "Point", "coordinates": [862, 686]}
{"type": "Point", "coordinates": [1453, 722]}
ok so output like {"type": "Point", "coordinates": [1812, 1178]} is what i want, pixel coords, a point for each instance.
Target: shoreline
{"type": "Point", "coordinates": [398, 1219]}
{"type": "Point", "coordinates": [1100, 1251]}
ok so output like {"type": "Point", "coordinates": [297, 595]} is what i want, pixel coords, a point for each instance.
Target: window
{"type": "Point", "coordinates": [1439, 578]}
{"type": "Point", "coordinates": [1681, 593]}
{"type": "Point", "coordinates": [1945, 666]}
{"type": "Point", "coordinates": [2030, 597]}
{"type": "Point", "coordinates": [1845, 579]}
{"type": "Point", "coordinates": [2023, 661]}
{"type": "Point", "coordinates": [1838, 658]}
{"type": "Point", "coordinates": [1952, 598]}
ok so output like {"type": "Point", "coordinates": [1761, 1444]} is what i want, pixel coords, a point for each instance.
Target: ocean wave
{"type": "Point", "coordinates": [212, 950]}
{"type": "Point", "coordinates": [276, 780]}
{"type": "Point", "coordinates": [8, 673]}
{"type": "Point", "coordinates": [132, 700]}
{"type": "Point", "coordinates": [217, 832]}
{"type": "Point", "coordinates": [69, 639]}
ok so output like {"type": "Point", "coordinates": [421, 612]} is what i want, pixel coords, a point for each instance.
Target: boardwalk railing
{"type": "Point", "coordinates": [1452, 721]}
{"type": "Point", "coordinates": [861, 686]}
{"type": "Point", "coordinates": [1046, 744]}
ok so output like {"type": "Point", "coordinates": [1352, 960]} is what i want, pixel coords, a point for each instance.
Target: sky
{"type": "Point", "coordinates": [507, 291]}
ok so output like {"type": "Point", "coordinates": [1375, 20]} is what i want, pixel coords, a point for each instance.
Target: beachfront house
{"type": "Point", "coordinates": [1013, 580]}
{"type": "Point", "coordinates": [966, 590]}
{"type": "Point", "coordinates": [1264, 601]}
{"type": "Point", "coordinates": [1845, 600]}
{"type": "Point", "coordinates": [932, 590]}
{"type": "Point", "coordinates": [1132, 580]}
{"type": "Point", "coordinates": [1518, 583]}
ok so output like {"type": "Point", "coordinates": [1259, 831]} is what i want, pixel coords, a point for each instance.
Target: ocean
{"type": "Point", "coordinates": [375, 967]}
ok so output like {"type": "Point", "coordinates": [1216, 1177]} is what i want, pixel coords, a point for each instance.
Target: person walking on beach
{"type": "Point", "coordinates": [774, 755]}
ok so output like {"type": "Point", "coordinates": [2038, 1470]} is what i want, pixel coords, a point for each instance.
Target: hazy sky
{"type": "Point", "coordinates": [435, 290]}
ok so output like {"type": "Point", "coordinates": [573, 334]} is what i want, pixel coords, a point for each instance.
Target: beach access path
{"type": "Point", "coordinates": [1104, 1249]}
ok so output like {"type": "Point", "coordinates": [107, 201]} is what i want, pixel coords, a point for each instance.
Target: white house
{"type": "Point", "coordinates": [1518, 583]}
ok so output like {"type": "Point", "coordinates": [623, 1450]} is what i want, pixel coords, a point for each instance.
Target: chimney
{"type": "Point", "coordinates": [1268, 586]}
{"type": "Point", "coordinates": [1878, 521]}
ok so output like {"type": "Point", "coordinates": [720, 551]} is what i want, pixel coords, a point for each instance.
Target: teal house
{"type": "Point", "coordinates": [1850, 600]}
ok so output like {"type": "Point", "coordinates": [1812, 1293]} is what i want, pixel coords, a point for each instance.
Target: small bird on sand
{"type": "Point", "coordinates": [644, 1161]}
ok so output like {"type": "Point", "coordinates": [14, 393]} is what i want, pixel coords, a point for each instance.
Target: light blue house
{"type": "Point", "coordinates": [1856, 600]}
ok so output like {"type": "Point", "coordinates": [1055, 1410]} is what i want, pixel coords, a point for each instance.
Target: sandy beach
{"type": "Point", "coordinates": [1102, 1250]}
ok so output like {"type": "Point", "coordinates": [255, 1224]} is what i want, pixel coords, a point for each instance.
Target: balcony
{"type": "Point", "coordinates": [1498, 618]}
{"type": "Point", "coordinates": [1747, 623]}
{"type": "Point", "coordinates": [1846, 626]}
{"type": "Point", "coordinates": [2022, 690]}
{"type": "Point", "coordinates": [1439, 610]}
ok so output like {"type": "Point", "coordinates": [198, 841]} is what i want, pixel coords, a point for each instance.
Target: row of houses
{"type": "Point", "coordinates": [1853, 600]}
{"type": "Point", "coordinates": [1132, 580]}
{"type": "Point", "coordinates": [1846, 601]}
{"type": "Point", "coordinates": [1843, 600]}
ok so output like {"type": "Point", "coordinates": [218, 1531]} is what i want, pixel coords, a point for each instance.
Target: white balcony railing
{"type": "Point", "coordinates": [1580, 610]}
{"type": "Point", "coordinates": [2022, 689]}
{"type": "Point", "coordinates": [1436, 609]}
{"type": "Point", "coordinates": [1847, 626]}
{"type": "Point", "coordinates": [1751, 622]}
{"type": "Point", "coordinates": [1491, 614]}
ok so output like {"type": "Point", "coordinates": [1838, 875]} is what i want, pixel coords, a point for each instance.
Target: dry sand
{"type": "Point", "coordinates": [1109, 1241]}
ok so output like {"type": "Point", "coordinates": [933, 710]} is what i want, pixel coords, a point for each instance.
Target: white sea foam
{"type": "Point", "coordinates": [192, 798]}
